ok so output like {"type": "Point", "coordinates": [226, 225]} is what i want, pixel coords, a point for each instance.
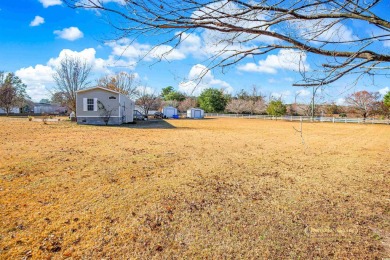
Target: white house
{"type": "Point", "coordinates": [41, 108]}
{"type": "Point", "coordinates": [14, 110]}
{"type": "Point", "coordinates": [142, 111]}
{"type": "Point", "coordinates": [99, 106]}
{"type": "Point", "coordinates": [170, 112]}
{"type": "Point", "coordinates": [195, 113]}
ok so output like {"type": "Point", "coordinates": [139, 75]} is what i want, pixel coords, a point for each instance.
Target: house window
{"type": "Point", "coordinates": [90, 104]}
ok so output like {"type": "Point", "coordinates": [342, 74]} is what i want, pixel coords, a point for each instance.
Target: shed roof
{"type": "Point", "coordinates": [105, 89]}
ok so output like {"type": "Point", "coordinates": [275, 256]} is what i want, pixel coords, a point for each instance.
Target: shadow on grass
{"type": "Point", "coordinates": [191, 119]}
{"type": "Point", "coordinates": [150, 124]}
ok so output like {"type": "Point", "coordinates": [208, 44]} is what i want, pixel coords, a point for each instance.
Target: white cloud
{"type": "Point", "coordinates": [39, 79]}
{"type": "Point", "coordinates": [272, 80]}
{"type": "Point", "coordinates": [134, 51]}
{"type": "Point", "coordinates": [146, 90]}
{"type": "Point", "coordinates": [281, 95]}
{"type": "Point", "coordinates": [285, 59]}
{"type": "Point", "coordinates": [99, 65]}
{"type": "Point", "coordinates": [38, 20]}
{"type": "Point", "coordinates": [303, 92]}
{"type": "Point", "coordinates": [200, 78]}
{"type": "Point", "coordinates": [323, 30]}
{"type": "Point", "coordinates": [383, 91]}
{"type": "Point", "coordinates": [47, 3]}
{"type": "Point", "coordinates": [340, 102]}
{"type": "Point", "coordinates": [70, 34]}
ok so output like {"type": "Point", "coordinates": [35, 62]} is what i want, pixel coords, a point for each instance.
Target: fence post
{"type": "Point", "coordinates": [345, 120]}
{"type": "Point", "coordinates": [333, 119]}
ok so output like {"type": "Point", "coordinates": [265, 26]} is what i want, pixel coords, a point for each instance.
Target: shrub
{"type": "Point", "coordinates": [276, 108]}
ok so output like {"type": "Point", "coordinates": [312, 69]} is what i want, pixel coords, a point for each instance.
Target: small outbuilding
{"type": "Point", "coordinates": [102, 106]}
{"type": "Point", "coordinates": [44, 108]}
{"type": "Point", "coordinates": [170, 112]}
{"type": "Point", "coordinates": [195, 113]}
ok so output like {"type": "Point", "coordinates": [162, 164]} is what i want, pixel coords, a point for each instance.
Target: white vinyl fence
{"type": "Point", "coordinates": [305, 118]}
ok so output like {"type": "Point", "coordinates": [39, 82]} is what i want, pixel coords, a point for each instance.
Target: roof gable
{"type": "Point", "coordinates": [93, 88]}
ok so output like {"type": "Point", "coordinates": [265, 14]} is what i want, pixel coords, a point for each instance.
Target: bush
{"type": "Point", "coordinates": [276, 108]}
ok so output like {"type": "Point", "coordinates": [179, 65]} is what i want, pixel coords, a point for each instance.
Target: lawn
{"type": "Point", "coordinates": [213, 188]}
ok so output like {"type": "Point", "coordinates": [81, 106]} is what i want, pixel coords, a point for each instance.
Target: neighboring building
{"type": "Point", "coordinates": [195, 113]}
{"type": "Point", "coordinates": [170, 112]}
{"type": "Point", "coordinates": [98, 105]}
{"type": "Point", "coordinates": [14, 110]}
{"type": "Point", "coordinates": [46, 108]}
{"type": "Point", "coordinates": [141, 110]}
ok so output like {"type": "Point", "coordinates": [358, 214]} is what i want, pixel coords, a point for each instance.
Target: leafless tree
{"type": "Point", "coordinates": [122, 82]}
{"type": "Point", "coordinates": [259, 106]}
{"type": "Point", "coordinates": [105, 112]}
{"type": "Point", "coordinates": [313, 99]}
{"type": "Point", "coordinates": [70, 76]}
{"type": "Point", "coordinates": [172, 103]}
{"type": "Point", "coordinates": [187, 104]}
{"type": "Point", "coordinates": [255, 101]}
{"type": "Point", "coordinates": [244, 28]}
{"type": "Point", "coordinates": [236, 106]}
{"type": "Point", "coordinates": [59, 98]}
{"type": "Point", "coordinates": [364, 102]}
{"type": "Point", "coordinates": [148, 99]}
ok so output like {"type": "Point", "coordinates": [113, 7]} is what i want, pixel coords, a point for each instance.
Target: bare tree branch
{"type": "Point", "coordinates": [70, 76]}
{"type": "Point", "coordinates": [255, 28]}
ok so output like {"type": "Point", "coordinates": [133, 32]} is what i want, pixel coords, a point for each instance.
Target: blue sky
{"type": "Point", "coordinates": [36, 34]}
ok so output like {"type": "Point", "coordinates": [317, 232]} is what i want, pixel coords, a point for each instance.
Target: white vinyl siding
{"type": "Point", "coordinates": [85, 107]}
{"type": "Point", "coordinates": [95, 107]}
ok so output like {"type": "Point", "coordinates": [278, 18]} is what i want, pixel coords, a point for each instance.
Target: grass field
{"type": "Point", "coordinates": [213, 188]}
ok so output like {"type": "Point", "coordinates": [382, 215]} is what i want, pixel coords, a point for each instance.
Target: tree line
{"type": "Point", "coordinates": [72, 74]}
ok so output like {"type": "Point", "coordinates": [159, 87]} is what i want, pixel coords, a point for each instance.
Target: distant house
{"type": "Point", "coordinates": [14, 110]}
{"type": "Point", "coordinates": [98, 106]}
{"type": "Point", "coordinates": [46, 108]}
{"type": "Point", "coordinates": [195, 113]}
{"type": "Point", "coordinates": [142, 111]}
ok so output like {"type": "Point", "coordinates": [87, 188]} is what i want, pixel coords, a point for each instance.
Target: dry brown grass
{"type": "Point", "coordinates": [216, 188]}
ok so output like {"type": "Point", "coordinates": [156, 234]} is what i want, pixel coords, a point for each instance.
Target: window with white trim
{"type": "Point", "coordinates": [90, 104]}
